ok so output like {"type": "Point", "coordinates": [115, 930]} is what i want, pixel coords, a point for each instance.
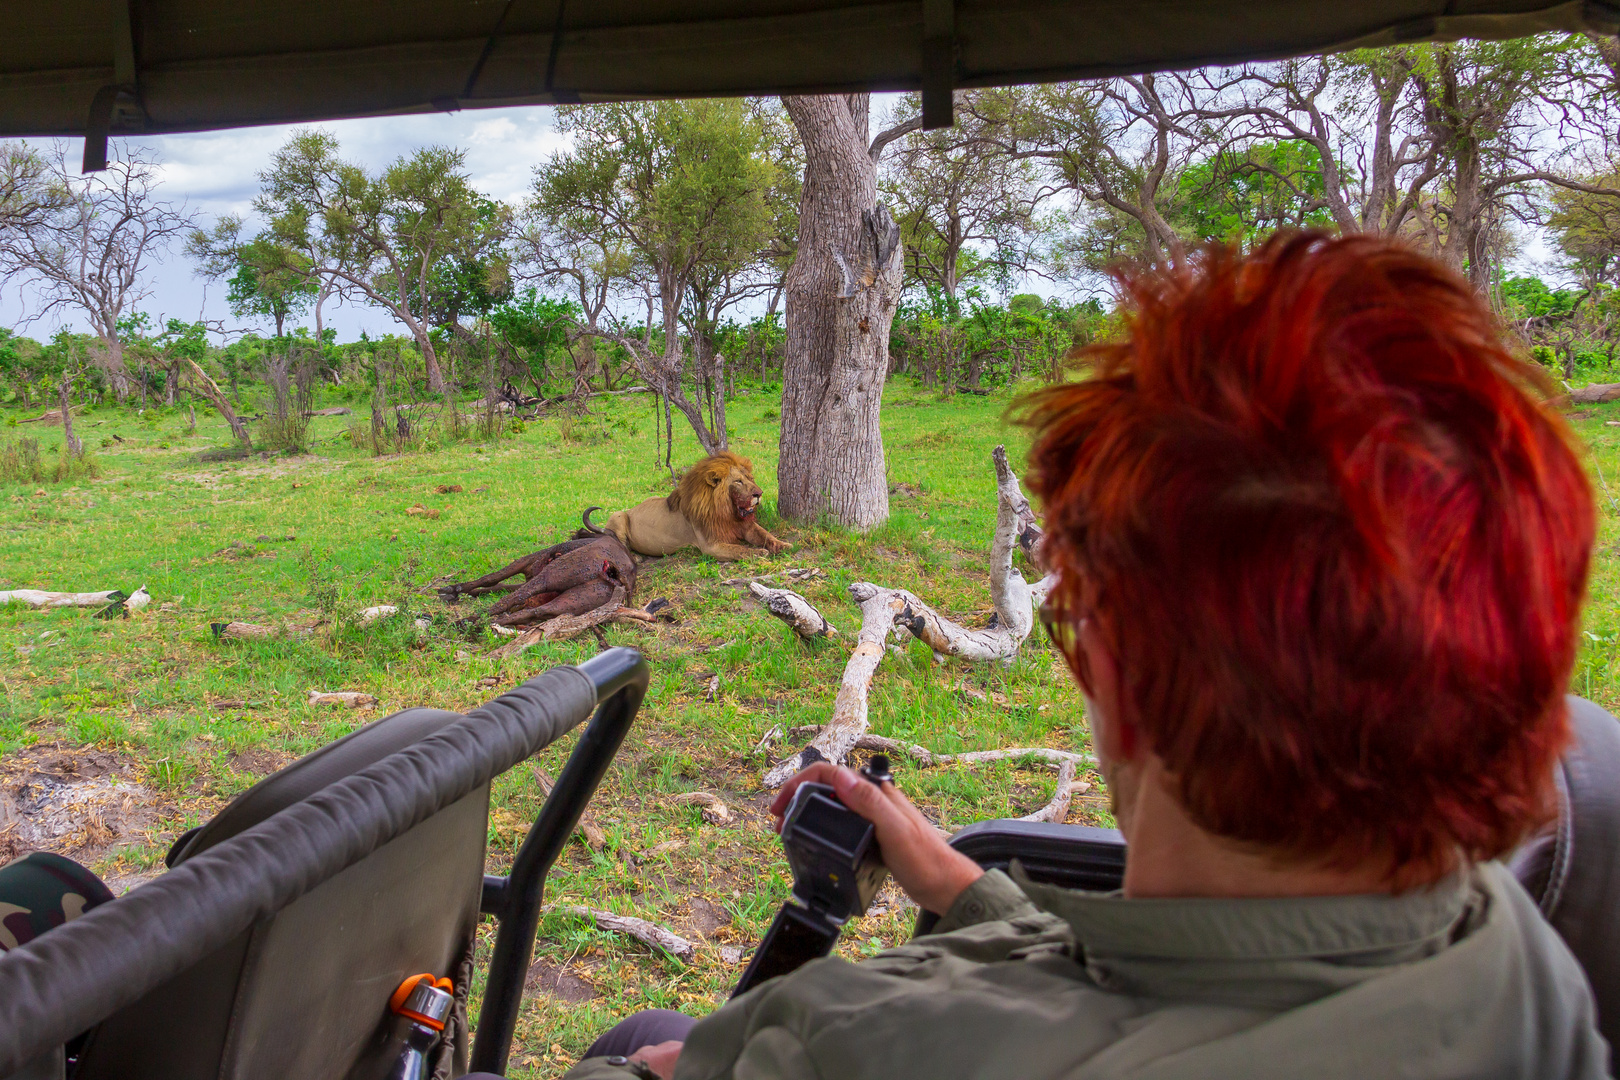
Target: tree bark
{"type": "Point", "coordinates": [841, 293]}
{"type": "Point", "coordinates": [210, 390]}
{"type": "Point", "coordinates": [71, 441]}
{"type": "Point", "coordinates": [848, 720]}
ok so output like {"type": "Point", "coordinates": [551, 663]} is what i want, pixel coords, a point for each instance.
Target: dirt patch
{"type": "Point", "coordinates": [260, 761]}
{"type": "Point", "coordinates": [557, 982]}
{"type": "Point", "coordinates": [707, 917]}
{"type": "Point", "coordinates": [71, 800]}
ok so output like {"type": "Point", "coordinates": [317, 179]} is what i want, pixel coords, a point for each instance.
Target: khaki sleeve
{"type": "Point", "coordinates": [992, 898]}
{"type": "Point", "coordinates": [597, 1068]}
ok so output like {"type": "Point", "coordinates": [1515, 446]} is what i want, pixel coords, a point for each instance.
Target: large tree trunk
{"type": "Point", "coordinates": [841, 293]}
{"type": "Point", "coordinates": [112, 362]}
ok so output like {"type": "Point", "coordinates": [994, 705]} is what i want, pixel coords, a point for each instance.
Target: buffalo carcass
{"type": "Point", "coordinates": [570, 578]}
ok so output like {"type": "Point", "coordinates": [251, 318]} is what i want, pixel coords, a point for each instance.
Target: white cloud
{"type": "Point", "coordinates": [216, 173]}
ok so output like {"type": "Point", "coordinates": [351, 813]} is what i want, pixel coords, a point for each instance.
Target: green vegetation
{"type": "Point", "coordinates": [290, 538]}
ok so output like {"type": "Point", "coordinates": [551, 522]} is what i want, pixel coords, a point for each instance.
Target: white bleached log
{"type": "Point", "coordinates": [41, 598]}
{"type": "Point", "coordinates": [848, 721]}
{"type": "Point", "coordinates": [367, 616]}
{"type": "Point", "coordinates": [1058, 809]}
{"type": "Point", "coordinates": [795, 610]}
{"type": "Point", "coordinates": [926, 757]}
{"type": "Point", "coordinates": [1009, 592]}
{"type": "Point", "coordinates": [714, 810]}
{"type": "Point", "coordinates": [640, 929]}
{"type": "Point", "coordinates": [353, 699]}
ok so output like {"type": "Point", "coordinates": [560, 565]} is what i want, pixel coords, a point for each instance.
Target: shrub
{"type": "Point", "coordinates": [22, 463]}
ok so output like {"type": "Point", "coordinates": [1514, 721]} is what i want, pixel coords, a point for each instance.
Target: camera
{"type": "Point", "coordinates": [837, 870]}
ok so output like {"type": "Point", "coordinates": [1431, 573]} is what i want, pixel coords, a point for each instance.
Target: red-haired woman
{"type": "Point", "coordinates": [1322, 555]}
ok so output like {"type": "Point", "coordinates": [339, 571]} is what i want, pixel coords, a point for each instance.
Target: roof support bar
{"type": "Point", "coordinates": [938, 62]}
{"type": "Point", "coordinates": [104, 106]}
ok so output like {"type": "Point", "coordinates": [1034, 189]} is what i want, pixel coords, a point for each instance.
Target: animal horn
{"type": "Point", "coordinates": [585, 519]}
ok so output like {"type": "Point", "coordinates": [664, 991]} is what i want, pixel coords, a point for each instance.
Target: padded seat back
{"type": "Point", "coordinates": [305, 992]}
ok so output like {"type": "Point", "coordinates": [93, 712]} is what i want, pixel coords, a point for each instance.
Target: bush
{"type": "Point", "coordinates": [22, 463]}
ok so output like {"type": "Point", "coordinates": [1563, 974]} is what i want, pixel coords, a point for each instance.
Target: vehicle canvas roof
{"type": "Point", "coordinates": [187, 65]}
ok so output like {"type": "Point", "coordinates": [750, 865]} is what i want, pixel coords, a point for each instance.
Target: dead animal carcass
{"type": "Point", "coordinates": [570, 578]}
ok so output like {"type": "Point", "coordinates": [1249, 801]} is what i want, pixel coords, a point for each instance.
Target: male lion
{"type": "Point", "coordinates": [711, 509]}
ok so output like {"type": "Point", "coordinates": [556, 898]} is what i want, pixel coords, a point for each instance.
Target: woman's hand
{"type": "Point", "coordinates": [661, 1058]}
{"type": "Point", "coordinates": [923, 864]}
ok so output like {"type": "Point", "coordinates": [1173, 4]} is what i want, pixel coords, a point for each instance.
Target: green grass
{"type": "Point", "coordinates": [192, 532]}
{"type": "Point", "coordinates": [211, 542]}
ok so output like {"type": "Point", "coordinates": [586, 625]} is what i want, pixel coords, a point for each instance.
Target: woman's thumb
{"type": "Point", "coordinates": [859, 794]}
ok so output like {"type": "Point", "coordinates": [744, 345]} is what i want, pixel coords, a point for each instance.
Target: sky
{"type": "Point", "coordinates": [216, 173]}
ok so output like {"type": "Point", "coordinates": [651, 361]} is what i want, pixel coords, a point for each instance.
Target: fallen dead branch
{"type": "Point", "coordinates": [592, 833]}
{"type": "Point", "coordinates": [370, 615]}
{"type": "Point", "coordinates": [848, 720]}
{"type": "Point", "coordinates": [640, 929]}
{"type": "Point", "coordinates": [562, 627]}
{"type": "Point", "coordinates": [40, 598]}
{"type": "Point", "coordinates": [803, 573]}
{"type": "Point", "coordinates": [352, 699]}
{"type": "Point", "coordinates": [1058, 809]}
{"type": "Point", "coordinates": [926, 757]}
{"type": "Point", "coordinates": [1015, 613]}
{"type": "Point", "coordinates": [714, 811]}
{"type": "Point", "coordinates": [795, 610]}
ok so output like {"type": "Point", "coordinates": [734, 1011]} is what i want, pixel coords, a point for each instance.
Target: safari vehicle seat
{"type": "Point", "coordinates": [279, 1000]}
{"type": "Point", "coordinates": [1571, 869]}
{"type": "Point", "coordinates": [272, 946]}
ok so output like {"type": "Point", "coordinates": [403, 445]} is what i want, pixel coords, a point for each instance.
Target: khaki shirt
{"type": "Point", "coordinates": [1029, 981]}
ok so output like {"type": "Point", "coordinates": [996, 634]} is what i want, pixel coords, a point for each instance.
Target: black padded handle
{"type": "Point", "coordinates": [64, 982]}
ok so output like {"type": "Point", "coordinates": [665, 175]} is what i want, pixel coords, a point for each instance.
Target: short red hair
{"type": "Point", "coordinates": [1337, 544]}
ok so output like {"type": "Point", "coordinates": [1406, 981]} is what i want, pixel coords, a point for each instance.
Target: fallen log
{"type": "Point", "coordinates": [592, 833]}
{"type": "Point", "coordinates": [51, 417]}
{"type": "Point", "coordinates": [1596, 394]}
{"type": "Point", "coordinates": [1058, 809]}
{"type": "Point", "coordinates": [1009, 592]}
{"type": "Point", "coordinates": [926, 757]}
{"type": "Point", "coordinates": [795, 610]}
{"type": "Point", "coordinates": [798, 573]}
{"type": "Point", "coordinates": [370, 615]}
{"type": "Point", "coordinates": [352, 699]}
{"type": "Point", "coordinates": [714, 810]}
{"type": "Point", "coordinates": [40, 598]}
{"type": "Point", "coordinates": [848, 721]}
{"type": "Point", "coordinates": [643, 931]}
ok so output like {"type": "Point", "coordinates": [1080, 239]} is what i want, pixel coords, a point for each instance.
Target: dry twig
{"type": "Point", "coordinates": [640, 929]}
{"type": "Point", "coordinates": [793, 609]}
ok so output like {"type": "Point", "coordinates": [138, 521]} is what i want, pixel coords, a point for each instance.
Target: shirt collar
{"type": "Point", "coordinates": [1273, 952]}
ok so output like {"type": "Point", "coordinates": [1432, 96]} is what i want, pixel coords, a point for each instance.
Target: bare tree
{"type": "Point", "coordinates": [91, 251]}
{"type": "Point", "coordinates": [1117, 143]}
{"type": "Point", "coordinates": [965, 209]}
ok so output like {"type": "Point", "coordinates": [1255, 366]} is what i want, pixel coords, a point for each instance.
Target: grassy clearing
{"type": "Point", "coordinates": [193, 721]}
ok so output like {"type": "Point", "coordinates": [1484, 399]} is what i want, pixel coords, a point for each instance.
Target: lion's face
{"type": "Point", "coordinates": [744, 494]}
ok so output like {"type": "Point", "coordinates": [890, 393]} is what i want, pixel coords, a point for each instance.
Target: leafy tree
{"type": "Point", "coordinates": [685, 186]}
{"type": "Point", "coordinates": [1243, 195]}
{"type": "Point", "coordinates": [266, 278]}
{"type": "Point", "coordinates": [383, 237]}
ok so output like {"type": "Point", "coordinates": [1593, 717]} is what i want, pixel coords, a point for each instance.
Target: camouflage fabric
{"type": "Point", "coordinates": [40, 891]}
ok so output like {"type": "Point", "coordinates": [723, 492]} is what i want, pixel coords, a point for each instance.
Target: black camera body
{"type": "Point", "coordinates": [837, 870]}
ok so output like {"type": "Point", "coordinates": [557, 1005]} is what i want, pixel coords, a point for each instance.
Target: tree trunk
{"type": "Point", "coordinates": [63, 392]}
{"type": "Point", "coordinates": [113, 365]}
{"type": "Point", "coordinates": [209, 389]}
{"type": "Point", "coordinates": [841, 294]}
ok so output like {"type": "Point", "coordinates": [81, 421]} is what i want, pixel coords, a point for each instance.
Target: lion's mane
{"type": "Point", "coordinates": [704, 496]}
